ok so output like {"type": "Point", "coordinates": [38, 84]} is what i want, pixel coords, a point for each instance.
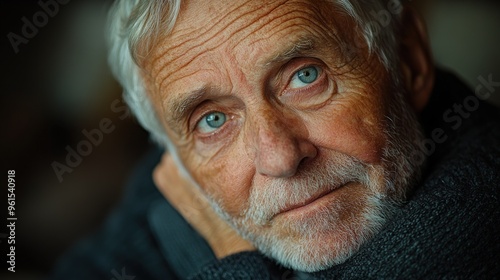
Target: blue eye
{"type": "Point", "coordinates": [211, 122]}
{"type": "Point", "coordinates": [304, 76]}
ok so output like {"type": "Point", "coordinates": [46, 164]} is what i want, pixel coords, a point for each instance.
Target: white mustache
{"type": "Point", "coordinates": [310, 181]}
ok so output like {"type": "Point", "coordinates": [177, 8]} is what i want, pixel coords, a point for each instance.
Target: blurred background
{"type": "Point", "coordinates": [56, 84]}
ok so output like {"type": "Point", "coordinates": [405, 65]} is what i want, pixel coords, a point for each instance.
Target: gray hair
{"type": "Point", "coordinates": [134, 25]}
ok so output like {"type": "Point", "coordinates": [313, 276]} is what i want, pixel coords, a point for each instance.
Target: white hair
{"type": "Point", "coordinates": [134, 25]}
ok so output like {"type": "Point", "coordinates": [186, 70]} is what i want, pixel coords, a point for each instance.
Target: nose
{"type": "Point", "coordinates": [278, 144]}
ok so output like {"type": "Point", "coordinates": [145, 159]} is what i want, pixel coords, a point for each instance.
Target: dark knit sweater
{"type": "Point", "coordinates": [448, 229]}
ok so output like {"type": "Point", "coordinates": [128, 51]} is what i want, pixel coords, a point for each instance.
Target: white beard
{"type": "Point", "coordinates": [329, 238]}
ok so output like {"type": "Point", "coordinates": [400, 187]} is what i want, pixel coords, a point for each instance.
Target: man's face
{"type": "Point", "coordinates": [289, 130]}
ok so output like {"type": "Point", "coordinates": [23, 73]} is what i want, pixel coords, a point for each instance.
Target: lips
{"type": "Point", "coordinates": [308, 201]}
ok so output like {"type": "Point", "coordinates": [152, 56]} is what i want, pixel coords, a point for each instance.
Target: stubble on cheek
{"type": "Point", "coordinates": [225, 184]}
{"type": "Point", "coordinates": [370, 108]}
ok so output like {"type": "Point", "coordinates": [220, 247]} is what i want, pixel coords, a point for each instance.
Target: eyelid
{"type": "Point", "coordinates": [215, 135]}
{"type": "Point", "coordinates": [290, 69]}
{"type": "Point", "coordinates": [226, 105]}
{"type": "Point", "coordinates": [197, 116]}
{"type": "Point", "coordinates": [310, 96]}
{"type": "Point", "coordinates": [290, 77]}
{"type": "Point", "coordinates": [320, 80]}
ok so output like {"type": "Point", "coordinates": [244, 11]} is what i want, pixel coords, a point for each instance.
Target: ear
{"type": "Point", "coordinates": [416, 59]}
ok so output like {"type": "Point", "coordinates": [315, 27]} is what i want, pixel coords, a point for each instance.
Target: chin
{"type": "Point", "coordinates": [311, 244]}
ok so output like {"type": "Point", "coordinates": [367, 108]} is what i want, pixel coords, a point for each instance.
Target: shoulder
{"type": "Point", "coordinates": [124, 246]}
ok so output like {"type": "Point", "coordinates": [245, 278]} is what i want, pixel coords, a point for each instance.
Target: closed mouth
{"type": "Point", "coordinates": [308, 201]}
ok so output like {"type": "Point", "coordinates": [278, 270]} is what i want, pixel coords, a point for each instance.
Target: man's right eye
{"type": "Point", "coordinates": [211, 122]}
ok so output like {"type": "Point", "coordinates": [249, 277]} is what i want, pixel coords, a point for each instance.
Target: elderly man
{"type": "Point", "coordinates": [298, 134]}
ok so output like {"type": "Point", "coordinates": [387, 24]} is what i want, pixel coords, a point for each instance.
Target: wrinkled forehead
{"type": "Point", "coordinates": [244, 30]}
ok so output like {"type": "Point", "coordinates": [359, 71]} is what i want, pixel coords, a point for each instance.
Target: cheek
{"type": "Point", "coordinates": [355, 128]}
{"type": "Point", "coordinates": [227, 179]}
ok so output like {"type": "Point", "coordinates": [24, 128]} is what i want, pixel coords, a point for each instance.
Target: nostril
{"type": "Point", "coordinates": [285, 161]}
{"type": "Point", "coordinates": [304, 162]}
{"type": "Point", "coordinates": [307, 159]}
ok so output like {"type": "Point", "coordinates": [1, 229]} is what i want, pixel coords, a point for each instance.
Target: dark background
{"type": "Point", "coordinates": [58, 84]}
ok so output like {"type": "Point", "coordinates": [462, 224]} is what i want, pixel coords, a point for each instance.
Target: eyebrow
{"type": "Point", "coordinates": [180, 108]}
{"type": "Point", "coordinates": [298, 48]}
{"type": "Point", "coordinates": [305, 45]}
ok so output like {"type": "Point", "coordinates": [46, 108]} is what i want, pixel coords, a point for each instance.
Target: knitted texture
{"type": "Point", "coordinates": [448, 229]}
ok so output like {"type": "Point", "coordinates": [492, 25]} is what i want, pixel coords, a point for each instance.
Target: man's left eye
{"type": "Point", "coordinates": [304, 76]}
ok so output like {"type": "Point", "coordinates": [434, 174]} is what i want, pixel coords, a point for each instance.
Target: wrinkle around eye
{"type": "Point", "coordinates": [219, 137]}
{"type": "Point", "coordinates": [310, 96]}
{"type": "Point", "coordinates": [232, 108]}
